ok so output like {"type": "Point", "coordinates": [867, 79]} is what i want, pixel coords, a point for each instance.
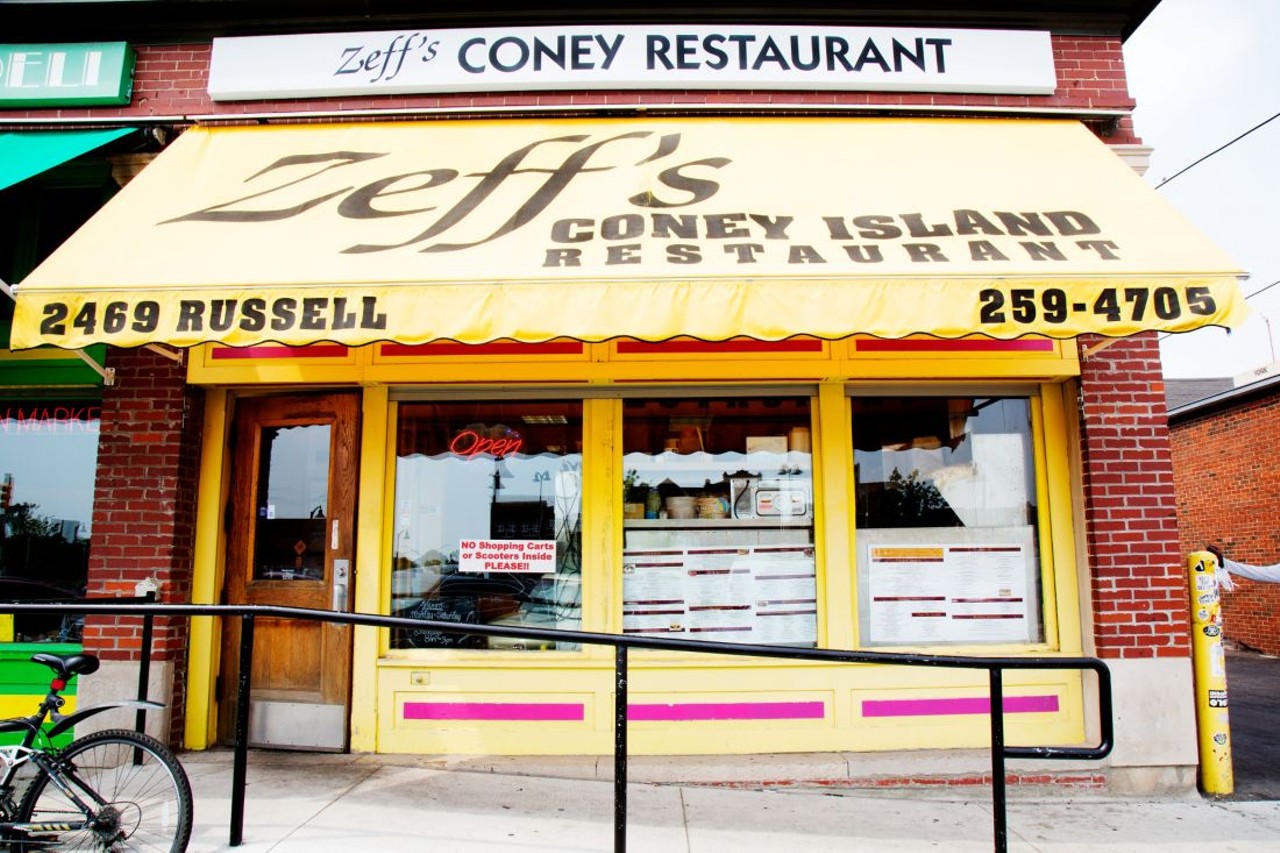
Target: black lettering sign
{"type": "Point", "coordinates": [291, 193]}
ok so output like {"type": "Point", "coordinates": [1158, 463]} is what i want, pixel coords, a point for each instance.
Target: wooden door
{"type": "Point", "coordinates": [291, 528]}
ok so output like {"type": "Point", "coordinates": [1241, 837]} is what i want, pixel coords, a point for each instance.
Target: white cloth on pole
{"type": "Point", "coordinates": [1265, 574]}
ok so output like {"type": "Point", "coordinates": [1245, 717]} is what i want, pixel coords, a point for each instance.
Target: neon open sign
{"type": "Point", "coordinates": [469, 444]}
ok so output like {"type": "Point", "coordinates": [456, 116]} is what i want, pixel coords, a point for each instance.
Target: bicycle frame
{"type": "Point", "coordinates": [46, 761]}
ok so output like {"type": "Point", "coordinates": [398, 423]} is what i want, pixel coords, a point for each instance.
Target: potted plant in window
{"type": "Point", "coordinates": [633, 494]}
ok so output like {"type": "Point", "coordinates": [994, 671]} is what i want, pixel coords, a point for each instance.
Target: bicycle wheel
{"type": "Point", "coordinates": [140, 793]}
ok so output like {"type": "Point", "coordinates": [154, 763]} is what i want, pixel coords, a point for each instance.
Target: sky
{"type": "Point", "coordinates": [1203, 73]}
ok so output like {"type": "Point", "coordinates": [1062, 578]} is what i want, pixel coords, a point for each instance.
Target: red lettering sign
{"type": "Point", "coordinates": [470, 443]}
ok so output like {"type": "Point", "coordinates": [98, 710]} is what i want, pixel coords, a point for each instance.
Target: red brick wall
{"type": "Point", "coordinates": [170, 83]}
{"type": "Point", "coordinates": [1138, 583]}
{"type": "Point", "coordinates": [1229, 495]}
{"type": "Point", "coordinates": [144, 506]}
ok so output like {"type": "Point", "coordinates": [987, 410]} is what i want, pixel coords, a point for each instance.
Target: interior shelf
{"type": "Point", "coordinates": [705, 523]}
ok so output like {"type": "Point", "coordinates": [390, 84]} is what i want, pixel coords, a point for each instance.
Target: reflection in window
{"type": "Point", "coordinates": [946, 515]}
{"type": "Point", "coordinates": [488, 514]}
{"type": "Point", "coordinates": [293, 498]}
{"type": "Point", "coordinates": [718, 515]}
{"type": "Point", "coordinates": [48, 457]}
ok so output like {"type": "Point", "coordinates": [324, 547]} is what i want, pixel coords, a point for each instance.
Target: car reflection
{"type": "Point", "coordinates": [507, 599]}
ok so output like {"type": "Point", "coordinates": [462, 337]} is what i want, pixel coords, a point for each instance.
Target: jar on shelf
{"type": "Point", "coordinates": [652, 504]}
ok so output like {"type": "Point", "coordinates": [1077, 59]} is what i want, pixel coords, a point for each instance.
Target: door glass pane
{"type": "Point", "coordinates": [947, 543]}
{"type": "Point", "coordinates": [488, 520]}
{"type": "Point", "coordinates": [718, 520]}
{"type": "Point", "coordinates": [293, 499]}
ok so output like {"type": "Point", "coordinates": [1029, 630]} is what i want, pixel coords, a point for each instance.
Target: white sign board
{"type": "Point", "coordinates": [900, 59]}
{"type": "Point", "coordinates": [949, 593]}
{"type": "Point", "coordinates": [523, 556]}
{"type": "Point", "coordinates": [748, 594]}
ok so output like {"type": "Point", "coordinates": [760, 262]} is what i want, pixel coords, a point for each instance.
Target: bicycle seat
{"type": "Point", "coordinates": [68, 665]}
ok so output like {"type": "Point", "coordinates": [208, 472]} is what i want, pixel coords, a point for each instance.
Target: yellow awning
{"type": "Point", "coordinates": [704, 227]}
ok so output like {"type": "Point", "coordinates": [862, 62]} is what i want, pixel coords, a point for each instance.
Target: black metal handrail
{"type": "Point", "coordinates": [995, 667]}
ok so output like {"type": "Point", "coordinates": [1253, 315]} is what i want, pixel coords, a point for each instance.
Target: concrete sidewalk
{"type": "Point", "coordinates": [319, 803]}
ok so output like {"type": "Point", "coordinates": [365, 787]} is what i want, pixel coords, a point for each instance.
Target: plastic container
{"type": "Point", "coordinates": [681, 507]}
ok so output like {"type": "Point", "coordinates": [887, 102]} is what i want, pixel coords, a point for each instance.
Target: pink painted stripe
{"type": "Point", "coordinates": [509, 711]}
{"type": "Point", "coordinates": [679, 712]}
{"type": "Point", "coordinates": [630, 347]}
{"type": "Point", "coordinates": [969, 345]}
{"type": "Point", "coordinates": [950, 707]}
{"type": "Point", "coordinates": [499, 348]}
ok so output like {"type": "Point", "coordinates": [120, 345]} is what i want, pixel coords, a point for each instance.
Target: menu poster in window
{"type": "Point", "coordinates": [786, 595]}
{"type": "Point", "coordinates": [924, 594]}
{"type": "Point", "coordinates": [653, 592]}
{"type": "Point", "coordinates": [754, 594]}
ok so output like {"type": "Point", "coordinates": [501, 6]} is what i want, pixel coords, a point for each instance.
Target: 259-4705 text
{"type": "Point", "coordinates": [1114, 304]}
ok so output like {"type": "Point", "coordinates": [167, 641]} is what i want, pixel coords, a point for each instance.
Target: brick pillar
{"type": "Point", "coordinates": [144, 516]}
{"type": "Point", "coordinates": [1138, 582]}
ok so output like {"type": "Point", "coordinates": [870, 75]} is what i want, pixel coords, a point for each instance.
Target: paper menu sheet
{"type": "Point", "coordinates": [946, 593]}
{"type": "Point", "coordinates": [746, 594]}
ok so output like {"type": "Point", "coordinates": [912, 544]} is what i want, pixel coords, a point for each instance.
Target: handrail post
{"type": "Point", "coordinates": [998, 804]}
{"type": "Point", "coordinates": [144, 662]}
{"type": "Point", "coordinates": [620, 749]}
{"type": "Point", "coordinates": [245, 678]}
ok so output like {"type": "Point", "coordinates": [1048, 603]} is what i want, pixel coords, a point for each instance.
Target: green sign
{"type": "Point", "coordinates": [66, 75]}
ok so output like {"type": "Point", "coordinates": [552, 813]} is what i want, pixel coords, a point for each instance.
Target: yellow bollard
{"type": "Point", "coordinates": [1210, 666]}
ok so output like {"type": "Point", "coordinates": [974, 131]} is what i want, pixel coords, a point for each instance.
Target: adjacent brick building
{"type": "Point", "coordinates": [1229, 495]}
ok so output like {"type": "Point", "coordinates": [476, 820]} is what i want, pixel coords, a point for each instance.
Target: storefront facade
{"type": "Point", "coordinates": [813, 378]}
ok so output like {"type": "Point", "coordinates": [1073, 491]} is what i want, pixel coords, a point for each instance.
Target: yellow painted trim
{"type": "Point", "coordinates": [372, 566]}
{"type": "Point", "coordinates": [602, 519]}
{"type": "Point", "coordinates": [834, 522]}
{"type": "Point", "coordinates": [22, 704]}
{"type": "Point", "coordinates": [701, 679]}
{"type": "Point", "coordinates": [203, 658]}
{"type": "Point", "coordinates": [1059, 497]}
{"type": "Point", "coordinates": [1045, 528]}
{"type": "Point", "coordinates": [387, 528]}
{"type": "Point", "coordinates": [601, 364]}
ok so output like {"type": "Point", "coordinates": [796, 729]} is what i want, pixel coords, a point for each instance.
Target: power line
{"type": "Point", "coordinates": [1216, 150]}
{"type": "Point", "coordinates": [1264, 289]}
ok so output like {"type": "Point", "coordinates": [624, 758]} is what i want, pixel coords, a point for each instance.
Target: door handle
{"type": "Point", "coordinates": [341, 582]}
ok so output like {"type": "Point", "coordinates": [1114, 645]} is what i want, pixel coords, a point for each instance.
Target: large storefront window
{"type": "Point", "coordinates": [488, 513]}
{"type": "Point", "coordinates": [718, 516]}
{"type": "Point", "coordinates": [946, 518]}
{"type": "Point", "coordinates": [48, 456]}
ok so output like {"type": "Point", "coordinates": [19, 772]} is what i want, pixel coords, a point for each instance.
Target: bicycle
{"type": "Point", "coordinates": [111, 790]}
